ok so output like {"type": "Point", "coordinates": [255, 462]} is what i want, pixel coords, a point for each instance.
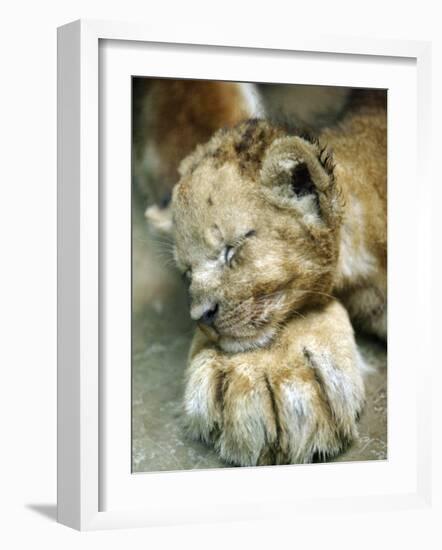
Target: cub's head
{"type": "Point", "coordinates": [256, 220]}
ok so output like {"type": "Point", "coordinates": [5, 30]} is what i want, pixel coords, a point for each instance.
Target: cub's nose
{"type": "Point", "coordinates": [209, 316]}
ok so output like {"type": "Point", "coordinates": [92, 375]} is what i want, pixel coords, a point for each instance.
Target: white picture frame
{"type": "Point", "coordinates": [83, 466]}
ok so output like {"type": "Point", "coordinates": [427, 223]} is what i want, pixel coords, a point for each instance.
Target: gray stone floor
{"type": "Point", "coordinates": [162, 333]}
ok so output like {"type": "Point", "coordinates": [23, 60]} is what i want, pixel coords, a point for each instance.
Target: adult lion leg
{"type": "Point", "coordinates": [284, 404]}
{"type": "Point", "coordinates": [290, 412]}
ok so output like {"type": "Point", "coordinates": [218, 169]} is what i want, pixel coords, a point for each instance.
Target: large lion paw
{"type": "Point", "coordinates": [258, 408]}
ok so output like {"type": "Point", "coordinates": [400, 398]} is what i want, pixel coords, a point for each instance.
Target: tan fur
{"type": "Point", "coordinates": [360, 153]}
{"type": "Point", "coordinates": [240, 182]}
{"type": "Point", "coordinates": [269, 226]}
{"type": "Point", "coordinates": [287, 403]}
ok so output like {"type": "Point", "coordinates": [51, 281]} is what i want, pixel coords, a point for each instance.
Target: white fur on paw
{"type": "Point", "coordinates": [343, 387]}
{"type": "Point", "coordinates": [200, 408]}
{"type": "Point", "coordinates": [245, 433]}
{"type": "Point", "coordinates": [160, 219]}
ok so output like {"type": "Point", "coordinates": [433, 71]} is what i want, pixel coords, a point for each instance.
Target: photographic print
{"type": "Point", "coordinates": [259, 274]}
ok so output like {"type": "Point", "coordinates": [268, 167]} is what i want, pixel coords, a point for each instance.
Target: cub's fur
{"type": "Point", "coordinates": [269, 226]}
{"type": "Point", "coordinates": [303, 222]}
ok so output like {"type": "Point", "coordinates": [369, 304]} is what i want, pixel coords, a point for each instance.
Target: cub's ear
{"type": "Point", "coordinates": [297, 174]}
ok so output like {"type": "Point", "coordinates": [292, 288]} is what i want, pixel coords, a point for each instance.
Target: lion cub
{"type": "Point", "coordinates": [268, 228]}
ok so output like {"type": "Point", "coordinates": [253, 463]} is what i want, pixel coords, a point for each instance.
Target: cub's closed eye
{"type": "Point", "coordinates": [229, 252]}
